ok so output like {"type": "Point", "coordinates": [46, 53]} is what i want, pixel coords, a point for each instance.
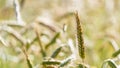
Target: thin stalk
{"type": "Point", "coordinates": [40, 44]}
{"type": "Point", "coordinates": [17, 12]}
{"type": "Point", "coordinates": [27, 59]}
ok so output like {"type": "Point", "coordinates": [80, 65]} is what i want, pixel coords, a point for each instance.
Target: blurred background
{"type": "Point", "coordinates": [99, 21]}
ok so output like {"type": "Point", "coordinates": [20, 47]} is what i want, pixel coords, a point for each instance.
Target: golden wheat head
{"type": "Point", "coordinates": [80, 40]}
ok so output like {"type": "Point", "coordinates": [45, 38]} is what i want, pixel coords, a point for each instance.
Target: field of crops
{"type": "Point", "coordinates": [59, 34]}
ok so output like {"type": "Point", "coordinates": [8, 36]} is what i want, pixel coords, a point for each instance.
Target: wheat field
{"type": "Point", "coordinates": [59, 34]}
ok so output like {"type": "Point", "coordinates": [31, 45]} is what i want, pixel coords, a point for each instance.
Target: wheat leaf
{"type": "Point", "coordinates": [110, 63]}
{"type": "Point", "coordinates": [51, 62]}
{"type": "Point", "coordinates": [64, 63]}
{"type": "Point", "coordinates": [56, 52]}
{"type": "Point", "coordinates": [115, 54]}
{"type": "Point", "coordinates": [52, 41]}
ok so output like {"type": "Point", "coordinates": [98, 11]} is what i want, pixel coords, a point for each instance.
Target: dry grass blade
{"type": "Point", "coordinates": [80, 40]}
{"type": "Point", "coordinates": [52, 41]}
{"type": "Point", "coordinates": [2, 40]}
{"type": "Point", "coordinates": [65, 62]}
{"type": "Point", "coordinates": [48, 24]}
{"type": "Point", "coordinates": [34, 39]}
{"type": "Point", "coordinates": [27, 59]}
{"type": "Point", "coordinates": [17, 11]}
{"type": "Point", "coordinates": [26, 28]}
{"type": "Point", "coordinates": [56, 52]}
{"type": "Point", "coordinates": [40, 44]}
{"type": "Point", "coordinates": [13, 33]}
{"type": "Point", "coordinates": [64, 16]}
{"type": "Point", "coordinates": [114, 44]}
{"type": "Point", "coordinates": [72, 48]}
{"type": "Point", "coordinates": [11, 23]}
{"type": "Point", "coordinates": [116, 48]}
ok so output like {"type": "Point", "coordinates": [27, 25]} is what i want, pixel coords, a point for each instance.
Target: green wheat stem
{"type": "Point", "coordinates": [27, 59]}
{"type": "Point", "coordinates": [80, 39]}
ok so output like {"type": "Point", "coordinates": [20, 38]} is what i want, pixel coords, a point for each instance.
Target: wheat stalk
{"type": "Point", "coordinates": [39, 40]}
{"type": "Point", "coordinates": [80, 40]}
{"type": "Point", "coordinates": [17, 12]}
{"type": "Point", "coordinates": [27, 59]}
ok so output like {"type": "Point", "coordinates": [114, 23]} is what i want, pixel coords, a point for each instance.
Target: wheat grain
{"type": "Point", "coordinates": [80, 40]}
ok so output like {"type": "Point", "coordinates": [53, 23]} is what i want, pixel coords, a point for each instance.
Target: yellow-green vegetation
{"type": "Point", "coordinates": [59, 34]}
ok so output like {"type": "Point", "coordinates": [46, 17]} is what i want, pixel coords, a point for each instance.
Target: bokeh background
{"type": "Point", "coordinates": [99, 20]}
